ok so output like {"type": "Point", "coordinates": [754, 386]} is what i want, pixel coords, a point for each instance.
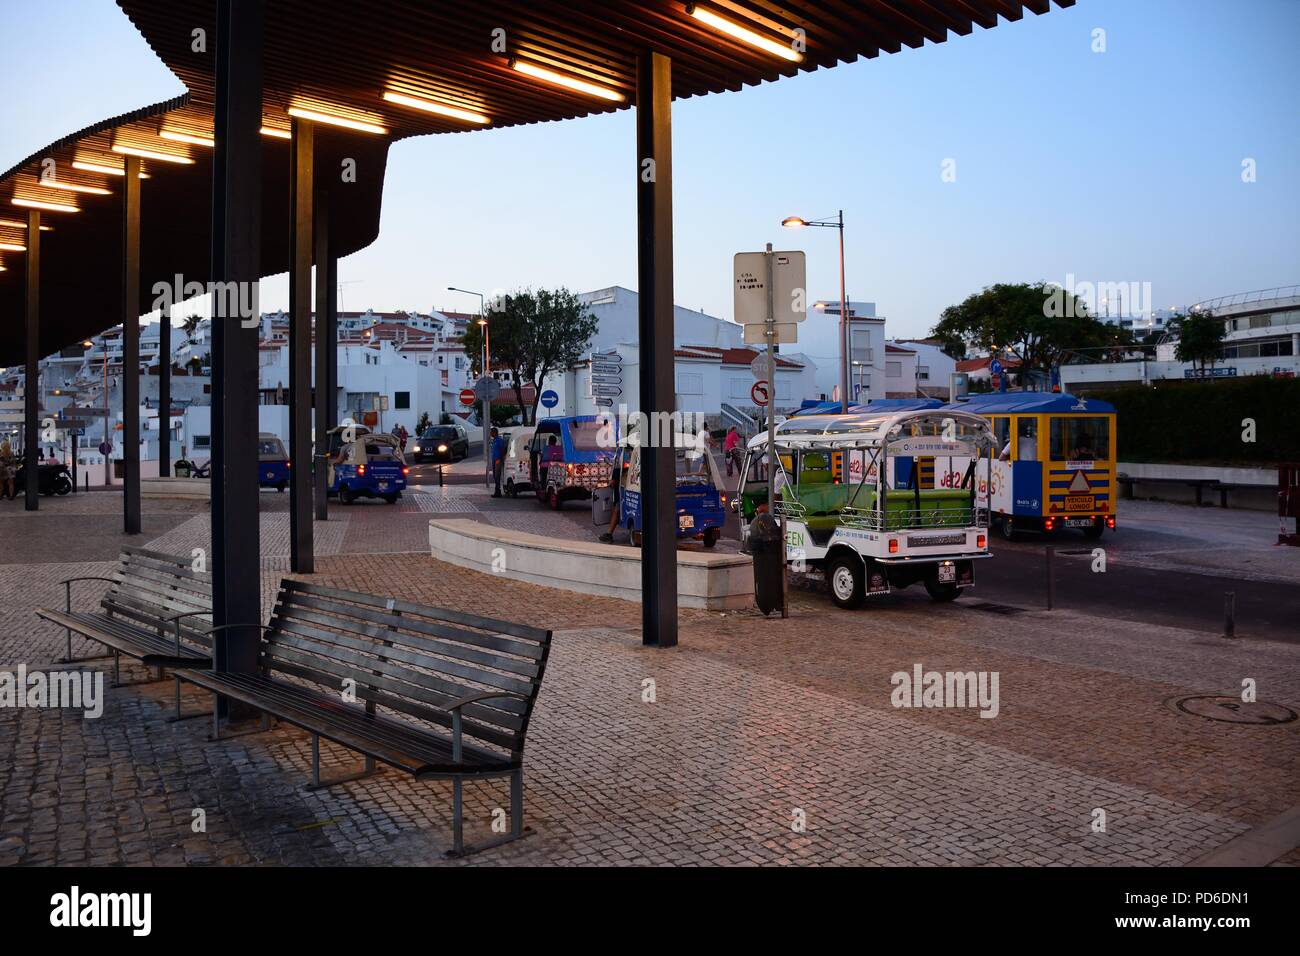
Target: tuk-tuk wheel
{"type": "Point", "coordinates": [553, 499]}
{"type": "Point", "coordinates": [942, 592]}
{"type": "Point", "coordinates": [346, 496]}
{"type": "Point", "coordinates": [391, 499]}
{"type": "Point", "coordinates": [636, 538]}
{"type": "Point", "coordinates": [511, 490]}
{"type": "Point", "coordinates": [281, 486]}
{"type": "Point", "coordinates": [1008, 529]}
{"type": "Point", "coordinates": [845, 577]}
{"type": "Point", "coordinates": [711, 537]}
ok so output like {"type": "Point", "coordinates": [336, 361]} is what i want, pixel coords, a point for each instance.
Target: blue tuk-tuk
{"type": "Point", "coordinates": [368, 467]}
{"type": "Point", "coordinates": [701, 500]}
{"type": "Point", "coordinates": [272, 462]}
{"type": "Point", "coordinates": [571, 457]}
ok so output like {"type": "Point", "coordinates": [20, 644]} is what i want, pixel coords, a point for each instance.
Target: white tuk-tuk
{"type": "Point", "coordinates": [867, 534]}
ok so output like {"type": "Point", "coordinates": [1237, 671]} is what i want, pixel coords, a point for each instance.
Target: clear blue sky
{"type": "Point", "coordinates": [1116, 166]}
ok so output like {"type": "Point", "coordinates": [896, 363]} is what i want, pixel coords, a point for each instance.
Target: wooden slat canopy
{"type": "Point", "coordinates": [341, 58]}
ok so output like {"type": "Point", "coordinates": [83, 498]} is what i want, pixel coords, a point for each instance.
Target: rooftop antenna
{"type": "Point", "coordinates": [341, 285]}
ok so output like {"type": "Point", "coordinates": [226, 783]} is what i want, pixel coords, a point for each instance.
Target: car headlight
{"type": "Point", "coordinates": [417, 448]}
{"type": "Point", "coordinates": [442, 448]}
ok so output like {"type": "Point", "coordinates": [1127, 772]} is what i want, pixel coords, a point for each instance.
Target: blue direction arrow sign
{"type": "Point", "coordinates": [549, 398]}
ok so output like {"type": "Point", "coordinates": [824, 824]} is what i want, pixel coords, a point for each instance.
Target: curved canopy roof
{"type": "Point", "coordinates": [481, 64]}
{"type": "Point", "coordinates": [1032, 403]}
{"type": "Point", "coordinates": [920, 428]}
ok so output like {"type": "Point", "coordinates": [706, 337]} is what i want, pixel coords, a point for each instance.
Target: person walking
{"type": "Point", "coordinates": [498, 461]}
{"type": "Point", "coordinates": [731, 448]}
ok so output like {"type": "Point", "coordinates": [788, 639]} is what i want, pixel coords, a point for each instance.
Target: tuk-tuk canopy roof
{"type": "Point", "coordinates": [868, 430]}
{"type": "Point", "coordinates": [1033, 403]}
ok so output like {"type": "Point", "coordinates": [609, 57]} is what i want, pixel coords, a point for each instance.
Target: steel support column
{"type": "Point", "coordinates": [131, 346]}
{"type": "Point", "coordinates": [655, 329]}
{"type": "Point", "coordinates": [236, 259]}
{"type": "Point", "coordinates": [301, 558]}
{"type": "Point", "coordinates": [32, 370]}
{"type": "Point", "coordinates": [323, 344]}
{"type": "Point", "coordinates": [332, 338]}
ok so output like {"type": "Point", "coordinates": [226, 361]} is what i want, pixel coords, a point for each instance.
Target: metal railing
{"type": "Point", "coordinates": [1246, 298]}
{"type": "Point", "coordinates": [912, 519]}
{"type": "Point", "coordinates": [744, 424]}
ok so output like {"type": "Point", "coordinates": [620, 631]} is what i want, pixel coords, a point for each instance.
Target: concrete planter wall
{"type": "Point", "coordinates": [190, 488]}
{"type": "Point", "coordinates": [712, 581]}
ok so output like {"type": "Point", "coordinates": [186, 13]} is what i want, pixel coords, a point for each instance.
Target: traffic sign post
{"type": "Point", "coordinates": [549, 399]}
{"type": "Point", "coordinates": [758, 393]}
{"type": "Point", "coordinates": [467, 396]}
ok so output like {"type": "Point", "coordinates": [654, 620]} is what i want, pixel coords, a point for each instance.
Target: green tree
{"type": "Point", "coordinates": [1039, 324]}
{"type": "Point", "coordinates": [533, 333]}
{"type": "Point", "coordinates": [422, 424]}
{"type": "Point", "coordinates": [1200, 338]}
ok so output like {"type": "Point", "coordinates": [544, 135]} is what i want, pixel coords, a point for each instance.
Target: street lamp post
{"type": "Point", "coordinates": [797, 222]}
{"type": "Point", "coordinates": [486, 360]}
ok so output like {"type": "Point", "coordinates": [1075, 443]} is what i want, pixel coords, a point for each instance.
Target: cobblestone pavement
{"type": "Point", "coordinates": [756, 724]}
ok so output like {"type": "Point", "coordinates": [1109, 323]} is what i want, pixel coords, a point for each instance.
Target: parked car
{"type": "Point", "coordinates": [441, 443]}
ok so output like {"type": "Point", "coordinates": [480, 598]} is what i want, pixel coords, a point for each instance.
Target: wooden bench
{"type": "Point", "coordinates": [156, 610]}
{"type": "Point", "coordinates": [433, 692]}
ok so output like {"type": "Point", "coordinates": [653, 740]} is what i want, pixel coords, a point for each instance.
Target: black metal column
{"type": "Point", "coordinates": [32, 373]}
{"type": "Point", "coordinates": [654, 209]}
{"type": "Point", "coordinates": [236, 235]}
{"type": "Point", "coordinates": [131, 346]}
{"type": "Point", "coordinates": [301, 559]}
{"type": "Point", "coordinates": [323, 345]}
{"type": "Point", "coordinates": [165, 394]}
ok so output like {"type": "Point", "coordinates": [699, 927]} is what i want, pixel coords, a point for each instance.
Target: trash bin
{"type": "Point", "coordinates": [768, 548]}
{"type": "Point", "coordinates": [602, 505]}
{"type": "Point", "coordinates": [181, 469]}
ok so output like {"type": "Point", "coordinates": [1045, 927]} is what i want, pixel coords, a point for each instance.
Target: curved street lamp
{"type": "Point", "coordinates": [798, 222]}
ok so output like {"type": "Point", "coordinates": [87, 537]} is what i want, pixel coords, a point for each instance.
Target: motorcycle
{"type": "Point", "coordinates": [52, 478]}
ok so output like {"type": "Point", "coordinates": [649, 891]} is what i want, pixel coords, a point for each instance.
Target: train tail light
{"type": "Point", "coordinates": [1110, 522]}
{"type": "Point", "coordinates": [361, 469]}
{"type": "Point", "coordinates": [1049, 524]}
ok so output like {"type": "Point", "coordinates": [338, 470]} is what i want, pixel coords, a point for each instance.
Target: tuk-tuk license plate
{"type": "Point", "coordinates": [383, 486]}
{"type": "Point", "coordinates": [1078, 522]}
{"type": "Point", "coordinates": [686, 521]}
{"type": "Point", "coordinates": [947, 572]}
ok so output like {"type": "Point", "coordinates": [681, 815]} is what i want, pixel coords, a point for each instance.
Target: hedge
{"type": "Point", "coordinates": [1201, 421]}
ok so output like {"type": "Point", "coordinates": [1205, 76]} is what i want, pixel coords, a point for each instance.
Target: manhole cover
{"type": "Point", "coordinates": [992, 608]}
{"type": "Point", "coordinates": [1232, 710]}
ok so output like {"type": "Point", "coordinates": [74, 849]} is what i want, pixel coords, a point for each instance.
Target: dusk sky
{"type": "Point", "coordinates": [1122, 166]}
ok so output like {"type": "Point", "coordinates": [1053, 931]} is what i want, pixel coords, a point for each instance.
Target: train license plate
{"type": "Point", "coordinates": [1079, 502]}
{"type": "Point", "coordinates": [686, 521]}
{"type": "Point", "coordinates": [1078, 522]}
{"type": "Point", "coordinates": [947, 572]}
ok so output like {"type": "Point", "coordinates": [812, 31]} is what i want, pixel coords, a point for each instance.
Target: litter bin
{"type": "Point", "coordinates": [768, 548]}
{"type": "Point", "coordinates": [181, 469]}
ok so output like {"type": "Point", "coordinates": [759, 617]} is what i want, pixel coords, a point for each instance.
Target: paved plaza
{"type": "Point", "coordinates": [756, 741]}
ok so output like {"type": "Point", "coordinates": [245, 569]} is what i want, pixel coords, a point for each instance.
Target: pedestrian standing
{"type": "Point", "coordinates": [498, 461]}
{"type": "Point", "coordinates": [731, 448]}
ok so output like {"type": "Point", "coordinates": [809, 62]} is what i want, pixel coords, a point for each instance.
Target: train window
{"type": "Point", "coordinates": [1002, 432]}
{"type": "Point", "coordinates": [1026, 439]}
{"type": "Point", "coordinates": [1080, 438]}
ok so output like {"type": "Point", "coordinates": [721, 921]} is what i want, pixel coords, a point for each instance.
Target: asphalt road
{"type": "Point", "coordinates": [1017, 575]}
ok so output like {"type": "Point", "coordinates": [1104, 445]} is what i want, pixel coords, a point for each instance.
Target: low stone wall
{"type": "Point", "coordinates": [1264, 499]}
{"type": "Point", "coordinates": [189, 488]}
{"type": "Point", "coordinates": [713, 581]}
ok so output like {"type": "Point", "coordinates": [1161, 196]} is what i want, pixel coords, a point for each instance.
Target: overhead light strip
{"type": "Point", "coordinates": [277, 133]}
{"type": "Point", "coordinates": [569, 82]}
{"type": "Point", "coordinates": [12, 247]}
{"type": "Point", "coordinates": [330, 119]}
{"type": "Point", "coordinates": [75, 187]}
{"type": "Point", "coordinates": [178, 137]}
{"type": "Point", "coordinates": [17, 224]}
{"type": "Point", "coordinates": [151, 154]}
{"type": "Point", "coordinates": [42, 204]}
{"type": "Point", "coordinates": [743, 34]}
{"type": "Point", "coordinates": [429, 106]}
{"type": "Point", "coordinates": [102, 168]}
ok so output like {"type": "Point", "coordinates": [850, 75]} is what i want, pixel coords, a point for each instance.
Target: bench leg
{"type": "Point", "coordinates": [517, 829]}
{"type": "Point", "coordinates": [369, 769]}
{"type": "Point", "coordinates": [178, 715]}
{"type": "Point", "coordinates": [69, 659]}
{"type": "Point", "coordinates": [216, 734]}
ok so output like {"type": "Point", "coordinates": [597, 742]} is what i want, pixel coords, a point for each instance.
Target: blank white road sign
{"type": "Point", "coordinates": [789, 282]}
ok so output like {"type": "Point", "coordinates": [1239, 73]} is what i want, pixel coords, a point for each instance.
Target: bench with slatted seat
{"type": "Point", "coordinates": [157, 609]}
{"type": "Point", "coordinates": [433, 692]}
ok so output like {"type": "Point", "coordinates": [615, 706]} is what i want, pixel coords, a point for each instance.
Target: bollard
{"type": "Point", "coordinates": [440, 476]}
{"type": "Point", "coordinates": [1229, 613]}
{"type": "Point", "coordinates": [1051, 579]}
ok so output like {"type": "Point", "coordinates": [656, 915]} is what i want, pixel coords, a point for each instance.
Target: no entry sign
{"type": "Point", "coordinates": [467, 396]}
{"type": "Point", "coordinates": [759, 393]}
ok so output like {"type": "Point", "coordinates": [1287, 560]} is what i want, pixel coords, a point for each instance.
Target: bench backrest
{"type": "Point", "coordinates": [150, 586]}
{"type": "Point", "coordinates": [410, 659]}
